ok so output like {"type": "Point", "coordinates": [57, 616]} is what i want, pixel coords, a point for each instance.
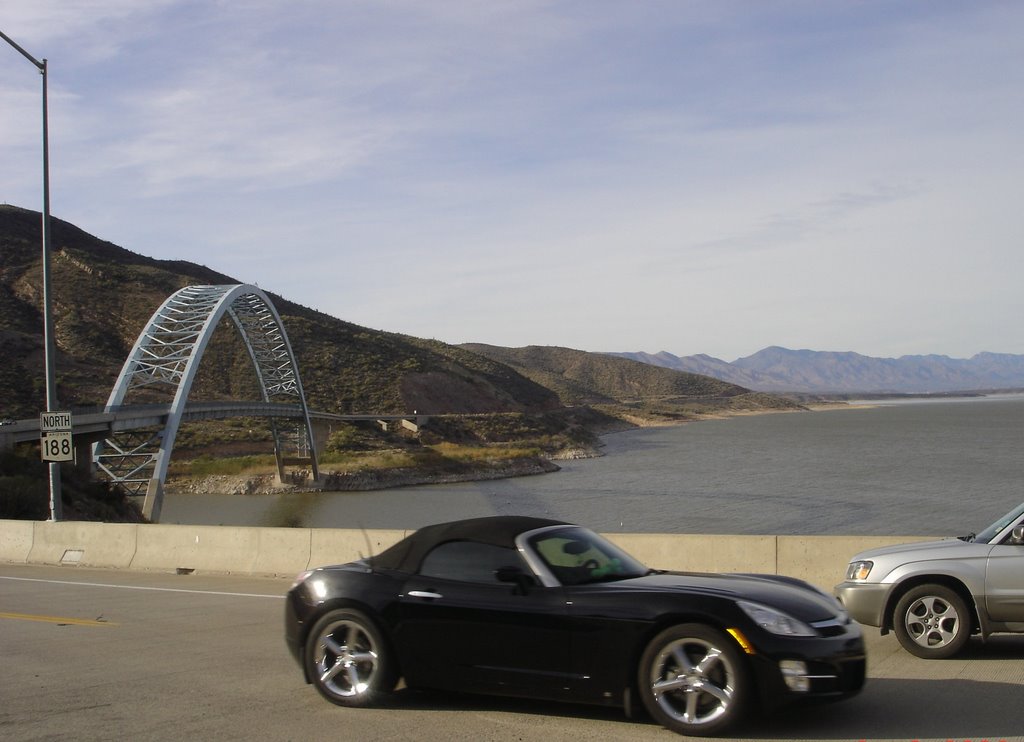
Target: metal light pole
{"type": "Point", "coordinates": [51, 384]}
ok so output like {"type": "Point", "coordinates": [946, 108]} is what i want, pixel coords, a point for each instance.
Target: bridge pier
{"type": "Point", "coordinates": [152, 505]}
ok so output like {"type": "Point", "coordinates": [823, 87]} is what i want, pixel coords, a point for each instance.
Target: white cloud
{"type": "Point", "coordinates": [695, 177]}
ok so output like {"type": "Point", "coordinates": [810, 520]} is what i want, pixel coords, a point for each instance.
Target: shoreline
{"type": "Point", "coordinates": [380, 479]}
{"type": "Point", "coordinates": [359, 481]}
{"type": "Point", "coordinates": [373, 480]}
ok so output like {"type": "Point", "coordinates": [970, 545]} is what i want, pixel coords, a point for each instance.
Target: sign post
{"type": "Point", "coordinates": [48, 341]}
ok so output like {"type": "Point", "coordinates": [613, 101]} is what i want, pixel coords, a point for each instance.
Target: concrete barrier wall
{"type": "Point", "coordinates": [821, 560]}
{"type": "Point", "coordinates": [197, 548]}
{"type": "Point", "coordinates": [79, 542]}
{"type": "Point", "coordinates": [15, 540]}
{"type": "Point", "coordinates": [700, 553]}
{"type": "Point", "coordinates": [334, 545]}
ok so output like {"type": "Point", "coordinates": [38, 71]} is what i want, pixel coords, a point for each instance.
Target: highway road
{"type": "Point", "coordinates": [97, 655]}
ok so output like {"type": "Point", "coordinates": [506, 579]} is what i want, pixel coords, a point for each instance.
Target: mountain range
{"type": "Point", "coordinates": [778, 370]}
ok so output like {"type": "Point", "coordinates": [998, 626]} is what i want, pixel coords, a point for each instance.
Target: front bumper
{"type": "Point", "coordinates": [864, 601]}
{"type": "Point", "coordinates": [293, 626]}
{"type": "Point", "coordinates": [836, 666]}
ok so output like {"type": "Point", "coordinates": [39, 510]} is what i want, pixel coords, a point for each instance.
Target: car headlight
{"type": "Point", "coordinates": [300, 578]}
{"type": "Point", "coordinates": [774, 620]}
{"type": "Point", "coordinates": [317, 586]}
{"type": "Point", "coordinates": [859, 570]}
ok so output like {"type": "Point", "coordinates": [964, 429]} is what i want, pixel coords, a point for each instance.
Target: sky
{"type": "Point", "coordinates": [606, 175]}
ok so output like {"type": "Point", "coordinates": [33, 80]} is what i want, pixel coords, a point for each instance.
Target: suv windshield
{"type": "Point", "coordinates": [993, 530]}
{"type": "Point", "coordinates": [577, 556]}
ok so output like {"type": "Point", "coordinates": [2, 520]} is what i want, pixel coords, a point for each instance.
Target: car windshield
{"type": "Point", "coordinates": [577, 556]}
{"type": "Point", "coordinates": [993, 530]}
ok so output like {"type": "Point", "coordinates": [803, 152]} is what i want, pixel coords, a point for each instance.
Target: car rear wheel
{"type": "Point", "coordinates": [693, 681]}
{"type": "Point", "coordinates": [932, 621]}
{"type": "Point", "coordinates": [348, 659]}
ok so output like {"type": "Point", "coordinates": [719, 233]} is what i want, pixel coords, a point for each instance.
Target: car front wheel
{"type": "Point", "coordinates": [932, 621]}
{"type": "Point", "coordinates": [348, 660]}
{"type": "Point", "coordinates": [693, 681]}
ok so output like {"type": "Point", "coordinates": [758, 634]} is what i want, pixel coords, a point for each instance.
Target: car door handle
{"type": "Point", "coordinates": [424, 594]}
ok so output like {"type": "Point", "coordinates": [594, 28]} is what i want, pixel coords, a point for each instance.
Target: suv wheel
{"type": "Point", "coordinates": [932, 621]}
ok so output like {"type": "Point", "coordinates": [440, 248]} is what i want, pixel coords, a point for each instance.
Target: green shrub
{"type": "Point", "coordinates": [24, 497]}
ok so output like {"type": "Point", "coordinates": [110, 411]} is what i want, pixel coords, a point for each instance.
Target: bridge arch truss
{"type": "Point", "coordinates": [167, 354]}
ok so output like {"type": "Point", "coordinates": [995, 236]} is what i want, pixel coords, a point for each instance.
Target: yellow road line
{"type": "Point", "coordinates": [57, 619]}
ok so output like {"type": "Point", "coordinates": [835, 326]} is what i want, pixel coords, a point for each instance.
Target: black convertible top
{"type": "Point", "coordinates": [498, 530]}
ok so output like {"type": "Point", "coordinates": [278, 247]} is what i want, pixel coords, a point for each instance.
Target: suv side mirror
{"type": "Point", "coordinates": [1017, 535]}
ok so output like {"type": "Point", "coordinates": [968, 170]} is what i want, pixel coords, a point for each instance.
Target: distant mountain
{"type": "Point", "coordinates": [776, 369]}
{"type": "Point", "coordinates": [701, 364]}
{"type": "Point", "coordinates": [582, 378]}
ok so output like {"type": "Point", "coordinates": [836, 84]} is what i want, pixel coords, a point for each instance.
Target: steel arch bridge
{"type": "Point", "coordinates": [167, 354]}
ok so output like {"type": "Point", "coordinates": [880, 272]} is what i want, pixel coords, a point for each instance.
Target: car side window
{"type": "Point", "coordinates": [561, 551]}
{"type": "Point", "coordinates": [468, 561]}
{"type": "Point", "coordinates": [576, 557]}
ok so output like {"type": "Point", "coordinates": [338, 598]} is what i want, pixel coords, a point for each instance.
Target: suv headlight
{"type": "Point", "coordinates": [774, 620]}
{"type": "Point", "coordinates": [859, 570]}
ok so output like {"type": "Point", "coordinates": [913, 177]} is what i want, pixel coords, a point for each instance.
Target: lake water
{"type": "Point", "coordinates": [895, 468]}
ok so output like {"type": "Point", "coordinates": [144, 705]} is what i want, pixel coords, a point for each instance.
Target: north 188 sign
{"type": "Point", "coordinates": [55, 436]}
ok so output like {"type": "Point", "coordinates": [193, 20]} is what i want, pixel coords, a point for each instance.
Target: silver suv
{"type": "Point", "coordinates": [935, 594]}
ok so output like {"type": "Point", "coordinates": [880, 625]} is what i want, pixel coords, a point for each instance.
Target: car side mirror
{"type": "Point", "coordinates": [517, 577]}
{"type": "Point", "coordinates": [1017, 535]}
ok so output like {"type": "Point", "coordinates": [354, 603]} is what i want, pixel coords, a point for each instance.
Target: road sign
{"type": "Point", "coordinates": [55, 421]}
{"type": "Point", "coordinates": [55, 436]}
{"type": "Point", "coordinates": [55, 445]}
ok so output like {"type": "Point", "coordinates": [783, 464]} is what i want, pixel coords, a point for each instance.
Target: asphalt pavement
{"type": "Point", "coordinates": [91, 654]}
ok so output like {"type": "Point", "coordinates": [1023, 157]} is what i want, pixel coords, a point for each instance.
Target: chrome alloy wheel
{"type": "Point", "coordinates": [932, 622]}
{"type": "Point", "coordinates": [345, 658]}
{"type": "Point", "coordinates": [693, 681]}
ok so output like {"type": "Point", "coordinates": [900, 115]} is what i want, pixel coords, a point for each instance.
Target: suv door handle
{"type": "Point", "coordinates": [424, 594]}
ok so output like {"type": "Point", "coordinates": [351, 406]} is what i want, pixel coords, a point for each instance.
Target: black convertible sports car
{"type": "Point", "coordinates": [538, 608]}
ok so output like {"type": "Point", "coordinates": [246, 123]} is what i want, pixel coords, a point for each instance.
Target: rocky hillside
{"type": "Point", "coordinates": [103, 295]}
